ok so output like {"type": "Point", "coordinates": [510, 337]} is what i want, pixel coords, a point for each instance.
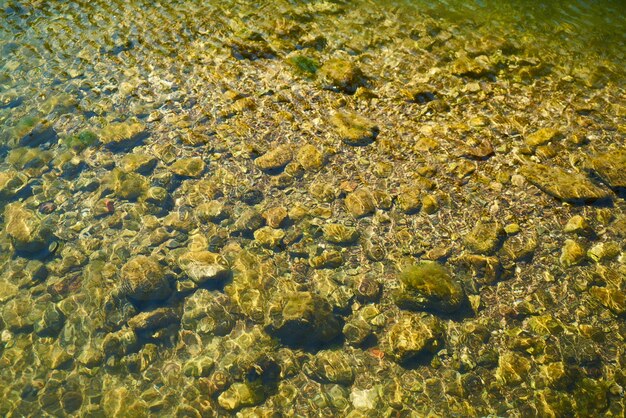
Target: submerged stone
{"type": "Point", "coordinates": [240, 395]}
{"type": "Point", "coordinates": [354, 129]}
{"type": "Point", "coordinates": [152, 320]}
{"type": "Point", "coordinates": [310, 157]}
{"type": "Point", "coordinates": [429, 285]}
{"type": "Point", "coordinates": [341, 75]}
{"type": "Point", "coordinates": [542, 137]}
{"type": "Point", "coordinates": [203, 266]}
{"type": "Point", "coordinates": [611, 167]}
{"type": "Point", "coordinates": [485, 237]}
{"type": "Point", "coordinates": [340, 234]}
{"type": "Point", "coordinates": [275, 159]}
{"type": "Point", "coordinates": [188, 167]}
{"type": "Point", "coordinates": [11, 183]}
{"type": "Point", "coordinates": [360, 203]}
{"type": "Point", "coordinates": [301, 319]}
{"type": "Point", "coordinates": [412, 335]}
{"type": "Point", "coordinates": [122, 135]}
{"type": "Point", "coordinates": [569, 187]}
{"type": "Point", "coordinates": [28, 234]}
{"type": "Point", "coordinates": [331, 366]}
{"type": "Point", "coordinates": [144, 279]}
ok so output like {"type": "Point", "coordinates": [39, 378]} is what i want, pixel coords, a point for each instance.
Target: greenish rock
{"type": "Point", "coordinates": [611, 297]}
{"type": "Point", "coordinates": [409, 200]}
{"type": "Point", "coordinates": [604, 251]}
{"type": "Point", "coordinates": [50, 323]}
{"type": "Point", "coordinates": [301, 319]}
{"type": "Point", "coordinates": [119, 343]}
{"type": "Point", "coordinates": [28, 233]}
{"type": "Point", "coordinates": [240, 395]}
{"type": "Point", "coordinates": [269, 237]}
{"type": "Point", "coordinates": [611, 167]}
{"type": "Point", "coordinates": [26, 158]}
{"type": "Point", "coordinates": [328, 259]}
{"type": "Point", "coordinates": [198, 367]}
{"type": "Point", "coordinates": [478, 67]}
{"type": "Point", "coordinates": [572, 253]}
{"type": "Point", "coordinates": [412, 335]}
{"type": "Point", "coordinates": [153, 320]}
{"type": "Point", "coordinates": [122, 135]}
{"type": "Point", "coordinates": [578, 225]}
{"type": "Point", "coordinates": [208, 313]}
{"type": "Point", "coordinates": [212, 211]}
{"type": "Point", "coordinates": [331, 366]}
{"type": "Point", "coordinates": [485, 237]}
{"type": "Point", "coordinates": [144, 279]}
{"type": "Point", "coordinates": [128, 186]}
{"type": "Point", "coordinates": [81, 141]}
{"type": "Point", "coordinates": [188, 167]}
{"type": "Point", "coordinates": [310, 158]}
{"type": "Point", "coordinates": [204, 266]}
{"type": "Point", "coordinates": [354, 129]}
{"type": "Point", "coordinates": [360, 203]}
{"type": "Point", "coordinates": [430, 204]}
{"type": "Point", "coordinates": [542, 137]}
{"type": "Point", "coordinates": [275, 216]}
{"type": "Point", "coordinates": [248, 221]}
{"type": "Point", "coordinates": [11, 183]}
{"type": "Point", "coordinates": [304, 64]}
{"type": "Point", "coordinates": [341, 75]}
{"type": "Point", "coordinates": [429, 285]}
{"type": "Point", "coordinates": [33, 131]}
{"type": "Point", "coordinates": [512, 369]}
{"type": "Point", "coordinates": [565, 186]}
{"type": "Point", "coordinates": [138, 163]}
{"type": "Point", "coordinates": [275, 159]}
{"type": "Point", "coordinates": [340, 234]}
{"type": "Point", "coordinates": [157, 201]}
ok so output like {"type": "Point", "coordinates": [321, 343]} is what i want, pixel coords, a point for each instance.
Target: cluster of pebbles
{"type": "Point", "coordinates": [319, 208]}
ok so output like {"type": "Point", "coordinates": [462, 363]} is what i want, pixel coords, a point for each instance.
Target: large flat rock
{"type": "Point", "coordinates": [565, 186]}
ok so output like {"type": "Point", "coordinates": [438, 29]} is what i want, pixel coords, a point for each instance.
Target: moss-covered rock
{"type": "Point", "coordinates": [354, 129]}
{"type": "Point", "coordinates": [310, 157]}
{"type": "Point", "coordinates": [429, 285]}
{"type": "Point", "coordinates": [139, 163]}
{"type": "Point", "coordinates": [32, 131]}
{"type": "Point", "coordinates": [572, 253]}
{"type": "Point", "coordinates": [269, 237]}
{"type": "Point", "coordinates": [341, 75]}
{"type": "Point", "coordinates": [241, 394]}
{"type": "Point", "coordinates": [331, 366]}
{"type": "Point", "coordinates": [11, 183]}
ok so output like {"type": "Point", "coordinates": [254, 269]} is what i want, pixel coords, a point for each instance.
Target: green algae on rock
{"type": "Point", "coordinates": [429, 286]}
{"type": "Point", "coordinates": [569, 187]}
{"type": "Point", "coordinates": [341, 75]}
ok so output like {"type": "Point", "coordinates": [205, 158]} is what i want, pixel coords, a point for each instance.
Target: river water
{"type": "Point", "coordinates": [312, 208]}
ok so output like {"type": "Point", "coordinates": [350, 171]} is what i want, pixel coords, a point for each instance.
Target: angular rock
{"type": "Point", "coordinates": [542, 137]}
{"type": "Point", "coordinates": [269, 237]}
{"type": "Point", "coordinates": [240, 395]}
{"type": "Point", "coordinates": [429, 285]}
{"type": "Point", "coordinates": [565, 186]}
{"type": "Point", "coordinates": [354, 129]}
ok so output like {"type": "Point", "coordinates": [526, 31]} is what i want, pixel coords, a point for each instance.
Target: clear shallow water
{"type": "Point", "coordinates": [312, 208]}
